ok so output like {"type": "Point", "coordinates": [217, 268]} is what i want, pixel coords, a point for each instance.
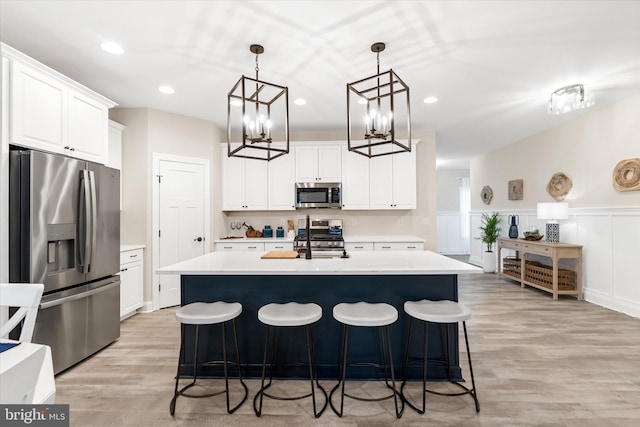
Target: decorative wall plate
{"type": "Point", "coordinates": [486, 194]}
{"type": "Point", "coordinates": [559, 186]}
{"type": "Point", "coordinates": [626, 175]}
{"type": "Point", "coordinates": [516, 189]}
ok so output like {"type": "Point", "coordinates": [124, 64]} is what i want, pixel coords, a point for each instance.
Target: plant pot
{"type": "Point", "coordinates": [489, 262]}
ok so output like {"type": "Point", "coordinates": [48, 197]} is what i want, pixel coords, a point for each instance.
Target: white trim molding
{"type": "Point", "coordinates": [611, 249]}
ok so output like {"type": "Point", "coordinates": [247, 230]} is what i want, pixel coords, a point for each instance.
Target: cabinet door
{"type": "Point", "coordinates": [381, 181]}
{"type": "Point", "coordinates": [88, 128]}
{"type": "Point", "coordinates": [306, 159]}
{"type": "Point", "coordinates": [38, 109]}
{"type": "Point", "coordinates": [133, 295]}
{"type": "Point", "coordinates": [255, 184]}
{"type": "Point", "coordinates": [355, 180]}
{"type": "Point", "coordinates": [281, 182]}
{"type": "Point", "coordinates": [329, 163]}
{"type": "Point", "coordinates": [232, 181]}
{"type": "Point", "coordinates": [404, 180]}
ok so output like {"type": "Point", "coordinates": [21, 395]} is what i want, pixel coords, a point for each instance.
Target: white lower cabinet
{"type": "Point", "coordinates": [131, 282]}
{"type": "Point", "coordinates": [354, 247]}
{"type": "Point", "coordinates": [278, 246]}
{"type": "Point", "coordinates": [239, 247]}
{"type": "Point", "coordinates": [398, 246]}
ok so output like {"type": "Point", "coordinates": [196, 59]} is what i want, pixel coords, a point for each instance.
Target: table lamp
{"type": "Point", "coordinates": [553, 212]}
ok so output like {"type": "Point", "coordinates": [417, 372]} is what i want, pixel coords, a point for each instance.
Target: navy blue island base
{"type": "Point", "coordinates": [254, 291]}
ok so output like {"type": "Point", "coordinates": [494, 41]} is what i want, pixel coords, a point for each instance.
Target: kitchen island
{"type": "Point", "coordinates": [391, 277]}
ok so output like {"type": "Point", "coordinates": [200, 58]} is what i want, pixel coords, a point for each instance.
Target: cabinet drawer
{"type": "Point", "coordinates": [353, 247]}
{"type": "Point", "coordinates": [399, 246]}
{"type": "Point", "coordinates": [511, 244]}
{"type": "Point", "coordinates": [131, 256]}
{"type": "Point", "coordinates": [538, 250]}
{"type": "Point", "coordinates": [239, 247]}
{"type": "Point", "coordinates": [278, 246]}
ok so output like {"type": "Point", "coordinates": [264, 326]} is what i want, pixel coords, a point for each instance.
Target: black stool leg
{"type": "Point", "coordinates": [343, 372]}
{"type": "Point", "coordinates": [172, 406]}
{"type": "Point", "coordinates": [393, 376]}
{"type": "Point", "coordinates": [424, 367]}
{"type": "Point", "coordinates": [313, 374]}
{"type": "Point", "coordinates": [246, 390]}
{"type": "Point", "coordinates": [474, 392]}
{"type": "Point", "coordinates": [258, 410]}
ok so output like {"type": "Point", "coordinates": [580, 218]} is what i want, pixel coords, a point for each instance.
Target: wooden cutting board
{"type": "Point", "coordinates": [280, 255]}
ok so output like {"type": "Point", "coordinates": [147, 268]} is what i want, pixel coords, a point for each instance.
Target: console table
{"type": "Point", "coordinates": [538, 275]}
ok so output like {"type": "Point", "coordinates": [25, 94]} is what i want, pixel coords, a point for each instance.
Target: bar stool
{"type": "Point", "coordinates": [379, 315]}
{"type": "Point", "coordinates": [201, 313]}
{"type": "Point", "coordinates": [447, 313]}
{"type": "Point", "coordinates": [291, 314]}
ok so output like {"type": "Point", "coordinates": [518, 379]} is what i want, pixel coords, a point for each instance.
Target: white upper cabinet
{"type": "Point", "coordinates": [393, 181]}
{"type": "Point", "coordinates": [38, 107]}
{"type": "Point", "coordinates": [244, 183]}
{"type": "Point", "coordinates": [355, 180]}
{"type": "Point", "coordinates": [281, 173]}
{"type": "Point", "coordinates": [53, 113]}
{"type": "Point", "coordinates": [88, 128]}
{"type": "Point", "coordinates": [318, 163]}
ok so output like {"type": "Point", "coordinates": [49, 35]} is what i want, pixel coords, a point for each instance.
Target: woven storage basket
{"type": "Point", "coordinates": [511, 266]}
{"type": "Point", "coordinates": [541, 274]}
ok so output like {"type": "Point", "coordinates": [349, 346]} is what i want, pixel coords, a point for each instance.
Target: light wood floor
{"type": "Point", "coordinates": [536, 362]}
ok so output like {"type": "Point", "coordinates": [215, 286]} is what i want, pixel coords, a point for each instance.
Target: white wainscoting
{"type": "Point", "coordinates": [610, 255]}
{"type": "Point", "coordinates": [449, 233]}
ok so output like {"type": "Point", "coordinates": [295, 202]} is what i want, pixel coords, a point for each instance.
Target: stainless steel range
{"type": "Point", "coordinates": [325, 236]}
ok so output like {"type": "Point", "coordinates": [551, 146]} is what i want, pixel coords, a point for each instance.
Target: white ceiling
{"type": "Point", "coordinates": [492, 64]}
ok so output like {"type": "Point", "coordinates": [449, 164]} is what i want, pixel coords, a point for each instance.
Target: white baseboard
{"type": "Point", "coordinates": [147, 307]}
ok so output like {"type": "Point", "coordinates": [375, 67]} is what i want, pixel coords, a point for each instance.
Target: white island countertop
{"type": "Point", "coordinates": [359, 263]}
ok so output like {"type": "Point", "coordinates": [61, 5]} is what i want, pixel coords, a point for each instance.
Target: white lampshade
{"type": "Point", "coordinates": [553, 211]}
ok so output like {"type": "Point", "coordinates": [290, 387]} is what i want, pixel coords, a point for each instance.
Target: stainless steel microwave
{"type": "Point", "coordinates": [318, 195]}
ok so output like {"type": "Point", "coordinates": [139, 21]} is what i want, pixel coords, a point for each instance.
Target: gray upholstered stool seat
{"type": "Point", "coordinates": [212, 313]}
{"type": "Point", "coordinates": [291, 314]}
{"type": "Point", "coordinates": [364, 314]}
{"type": "Point", "coordinates": [448, 314]}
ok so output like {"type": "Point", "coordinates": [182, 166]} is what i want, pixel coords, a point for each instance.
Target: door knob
{"type": "Point", "coordinates": [198, 239]}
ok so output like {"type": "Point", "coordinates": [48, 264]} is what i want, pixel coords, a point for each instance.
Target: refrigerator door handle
{"type": "Point", "coordinates": [94, 219]}
{"type": "Point", "coordinates": [84, 243]}
{"type": "Point", "coordinates": [77, 296]}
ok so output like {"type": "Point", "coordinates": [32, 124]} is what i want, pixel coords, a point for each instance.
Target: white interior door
{"type": "Point", "coordinates": [181, 221]}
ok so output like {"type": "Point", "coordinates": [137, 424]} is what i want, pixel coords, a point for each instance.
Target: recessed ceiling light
{"type": "Point", "coordinates": [430, 100]}
{"type": "Point", "coordinates": [112, 47]}
{"type": "Point", "coordinates": [300, 101]}
{"type": "Point", "coordinates": [166, 89]}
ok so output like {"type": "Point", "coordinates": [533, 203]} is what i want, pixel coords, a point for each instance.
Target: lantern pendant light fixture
{"type": "Point", "coordinates": [257, 117]}
{"type": "Point", "coordinates": [379, 106]}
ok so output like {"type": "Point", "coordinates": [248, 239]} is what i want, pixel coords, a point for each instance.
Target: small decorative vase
{"type": "Point", "coordinates": [513, 228]}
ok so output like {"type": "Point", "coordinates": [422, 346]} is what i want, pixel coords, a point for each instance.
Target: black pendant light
{"type": "Point", "coordinates": [257, 117]}
{"type": "Point", "coordinates": [377, 108]}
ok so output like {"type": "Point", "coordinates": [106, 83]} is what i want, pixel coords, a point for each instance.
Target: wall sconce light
{"type": "Point", "coordinates": [553, 212]}
{"type": "Point", "coordinates": [257, 117]}
{"type": "Point", "coordinates": [382, 102]}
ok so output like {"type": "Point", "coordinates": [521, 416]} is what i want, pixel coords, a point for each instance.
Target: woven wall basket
{"type": "Point", "coordinates": [559, 186]}
{"type": "Point", "coordinates": [626, 175]}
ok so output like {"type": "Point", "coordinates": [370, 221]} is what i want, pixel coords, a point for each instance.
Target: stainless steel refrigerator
{"type": "Point", "coordinates": [64, 231]}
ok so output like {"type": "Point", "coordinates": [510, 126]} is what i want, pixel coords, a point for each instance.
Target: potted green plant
{"type": "Point", "coordinates": [489, 233]}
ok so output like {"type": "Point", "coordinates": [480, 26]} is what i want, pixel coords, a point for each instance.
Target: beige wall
{"type": "Point", "coordinates": [152, 131]}
{"type": "Point", "coordinates": [585, 149]}
{"type": "Point", "coordinates": [447, 188]}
